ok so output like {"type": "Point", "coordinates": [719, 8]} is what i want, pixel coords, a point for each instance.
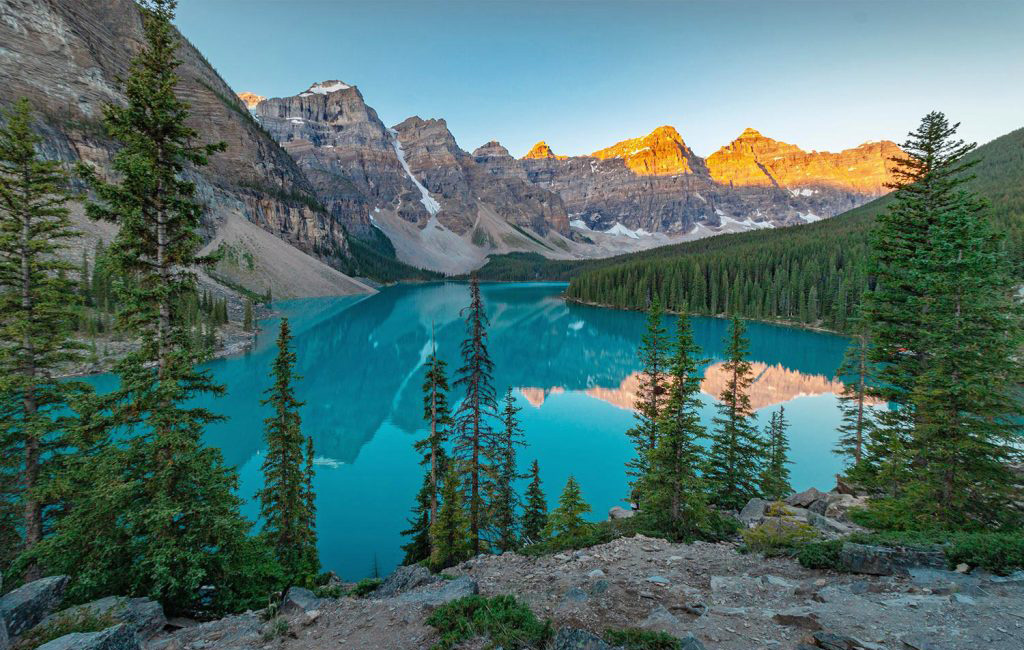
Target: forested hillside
{"type": "Point", "coordinates": [813, 274]}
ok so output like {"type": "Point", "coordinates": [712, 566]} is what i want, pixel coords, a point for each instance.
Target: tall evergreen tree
{"type": "Point", "coordinates": [855, 401]}
{"type": "Point", "coordinates": [437, 414]}
{"type": "Point", "coordinates": [285, 498]}
{"type": "Point", "coordinates": [417, 549]}
{"type": "Point", "coordinates": [36, 319]}
{"type": "Point", "coordinates": [449, 532]}
{"type": "Point", "coordinates": [650, 398]}
{"type": "Point", "coordinates": [474, 434]}
{"type": "Point", "coordinates": [247, 321]}
{"type": "Point", "coordinates": [677, 500]}
{"type": "Point", "coordinates": [535, 513]}
{"type": "Point", "coordinates": [309, 512]}
{"type": "Point", "coordinates": [734, 460]}
{"type": "Point", "coordinates": [946, 325]}
{"type": "Point", "coordinates": [504, 500]}
{"type": "Point", "coordinates": [155, 513]}
{"type": "Point", "coordinates": [567, 518]}
{"type": "Point", "coordinates": [775, 475]}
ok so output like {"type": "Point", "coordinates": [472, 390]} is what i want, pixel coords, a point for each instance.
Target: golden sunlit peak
{"type": "Point", "coordinates": [541, 151]}
{"type": "Point", "coordinates": [250, 99]}
{"type": "Point", "coordinates": [751, 133]}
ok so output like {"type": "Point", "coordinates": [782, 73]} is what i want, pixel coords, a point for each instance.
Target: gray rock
{"type": "Point", "coordinates": [963, 599]}
{"type": "Point", "coordinates": [806, 498]}
{"type": "Point", "coordinates": [662, 620]}
{"type": "Point", "coordinates": [827, 525]}
{"type": "Point", "coordinates": [5, 641]}
{"type": "Point", "coordinates": [690, 642]}
{"type": "Point", "coordinates": [571, 638]}
{"type": "Point", "coordinates": [829, 641]}
{"type": "Point", "coordinates": [596, 573]}
{"type": "Point", "coordinates": [299, 601]}
{"type": "Point", "coordinates": [884, 561]}
{"type": "Point", "coordinates": [753, 511]}
{"type": "Point", "coordinates": [144, 616]}
{"type": "Point", "coordinates": [405, 578]}
{"type": "Point", "coordinates": [801, 617]}
{"type": "Point", "coordinates": [941, 581]}
{"type": "Point", "coordinates": [575, 595]}
{"type": "Point", "coordinates": [616, 512]}
{"type": "Point", "coordinates": [599, 587]}
{"type": "Point", "coordinates": [435, 594]}
{"type": "Point", "coordinates": [658, 580]}
{"type": "Point", "coordinates": [26, 606]}
{"type": "Point", "coordinates": [819, 507]}
{"type": "Point", "coordinates": [119, 637]}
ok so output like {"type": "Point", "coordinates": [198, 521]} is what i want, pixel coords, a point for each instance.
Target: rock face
{"type": "Point", "coordinates": [753, 159]}
{"type": "Point", "coordinates": [61, 55]}
{"type": "Point", "coordinates": [437, 203]}
{"type": "Point", "coordinates": [656, 184]}
{"type": "Point", "coordinates": [405, 578]}
{"type": "Point", "coordinates": [885, 561]}
{"type": "Point", "coordinates": [119, 637]}
{"type": "Point", "coordinates": [143, 616]}
{"type": "Point", "coordinates": [26, 606]}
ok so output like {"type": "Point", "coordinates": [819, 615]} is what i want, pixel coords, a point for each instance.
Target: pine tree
{"type": "Point", "coordinates": [155, 513]}
{"type": "Point", "coordinates": [775, 476]}
{"type": "Point", "coordinates": [247, 322]}
{"type": "Point", "coordinates": [449, 532]}
{"type": "Point", "coordinates": [285, 497]}
{"type": "Point", "coordinates": [36, 318]}
{"type": "Point", "coordinates": [677, 501]}
{"type": "Point", "coordinates": [312, 555]}
{"type": "Point", "coordinates": [855, 401]}
{"type": "Point", "coordinates": [474, 434]}
{"type": "Point", "coordinates": [417, 549]}
{"type": "Point", "coordinates": [535, 513]}
{"type": "Point", "coordinates": [955, 379]}
{"type": "Point", "coordinates": [504, 501]}
{"type": "Point", "coordinates": [734, 460]}
{"type": "Point", "coordinates": [567, 518]}
{"type": "Point", "coordinates": [650, 398]}
{"type": "Point", "coordinates": [437, 414]}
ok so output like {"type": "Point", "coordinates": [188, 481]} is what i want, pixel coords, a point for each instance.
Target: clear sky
{"type": "Point", "coordinates": [583, 74]}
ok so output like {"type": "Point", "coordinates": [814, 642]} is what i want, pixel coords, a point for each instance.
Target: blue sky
{"type": "Point", "coordinates": [582, 74]}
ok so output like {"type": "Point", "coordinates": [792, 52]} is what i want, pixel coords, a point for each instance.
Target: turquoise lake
{"type": "Point", "coordinates": [572, 369]}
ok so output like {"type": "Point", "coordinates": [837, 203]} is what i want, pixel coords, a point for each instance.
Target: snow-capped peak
{"type": "Point", "coordinates": [325, 87]}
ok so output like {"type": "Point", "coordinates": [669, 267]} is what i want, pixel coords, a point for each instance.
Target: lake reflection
{"type": "Point", "coordinates": [572, 368]}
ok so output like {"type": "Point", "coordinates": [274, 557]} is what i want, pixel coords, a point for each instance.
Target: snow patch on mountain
{"type": "Point", "coordinates": [431, 204]}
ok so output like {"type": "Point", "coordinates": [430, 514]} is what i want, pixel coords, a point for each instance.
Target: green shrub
{"type": "Point", "coordinates": [778, 536]}
{"type": "Point", "coordinates": [1000, 553]}
{"type": "Point", "coordinates": [636, 639]}
{"type": "Point", "coordinates": [505, 621]}
{"type": "Point", "coordinates": [78, 620]}
{"type": "Point", "coordinates": [820, 555]}
{"type": "Point", "coordinates": [276, 629]}
{"type": "Point", "coordinates": [328, 591]}
{"type": "Point", "coordinates": [365, 587]}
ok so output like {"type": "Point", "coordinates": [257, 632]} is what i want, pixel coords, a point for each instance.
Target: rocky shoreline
{"type": "Point", "coordinates": [710, 596]}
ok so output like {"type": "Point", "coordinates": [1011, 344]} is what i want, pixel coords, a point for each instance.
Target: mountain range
{"type": "Point", "coordinates": [314, 189]}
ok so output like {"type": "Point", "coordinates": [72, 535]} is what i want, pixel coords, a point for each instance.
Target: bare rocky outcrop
{"type": "Point", "coordinates": [119, 637]}
{"type": "Point", "coordinates": [26, 606]}
{"type": "Point", "coordinates": [142, 616]}
{"type": "Point", "coordinates": [67, 57]}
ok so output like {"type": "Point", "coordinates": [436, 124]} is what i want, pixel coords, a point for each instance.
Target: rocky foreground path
{"type": "Point", "coordinates": [710, 595]}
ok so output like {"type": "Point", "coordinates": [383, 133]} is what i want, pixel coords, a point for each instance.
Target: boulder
{"type": "Point", "coordinates": [806, 498]}
{"type": "Point", "coordinates": [829, 641]}
{"type": "Point", "coordinates": [753, 511]}
{"type": "Point", "coordinates": [884, 560]}
{"type": "Point", "coordinates": [119, 637]}
{"type": "Point", "coordinates": [801, 617]}
{"type": "Point", "coordinates": [299, 601]}
{"type": "Point", "coordinates": [827, 525]}
{"type": "Point", "coordinates": [143, 616]}
{"type": "Point", "coordinates": [440, 593]}
{"type": "Point", "coordinates": [405, 578]}
{"type": "Point", "coordinates": [617, 512]}
{"type": "Point", "coordinates": [690, 642]}
{"type": "Point", "coordinates": [571, 638]}
{"type": "Point", "coordinates": [26, 606]}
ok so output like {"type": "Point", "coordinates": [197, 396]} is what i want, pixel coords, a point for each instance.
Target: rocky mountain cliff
{"type": "Point", "coordinates": [440, 207]}
{"type": "Point", "coordinates": [66, 57]}
{"type": "Point", "coordinates": [656, 184]}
